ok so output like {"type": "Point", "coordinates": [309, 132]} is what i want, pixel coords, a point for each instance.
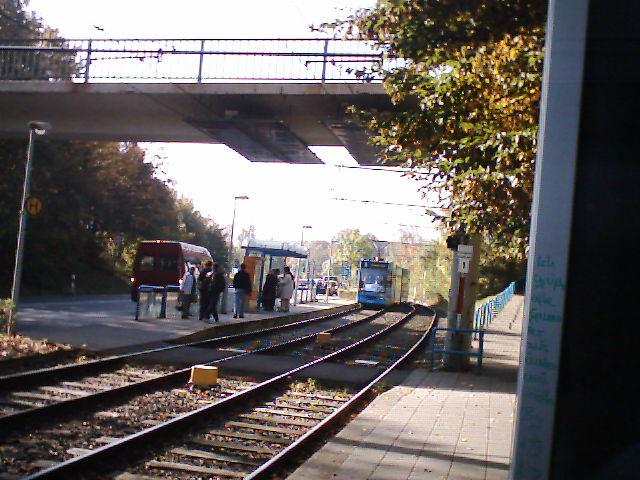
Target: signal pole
{"type": "Point", "coordinates": [465, 269]}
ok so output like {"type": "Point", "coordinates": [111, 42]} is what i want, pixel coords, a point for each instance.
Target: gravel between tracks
{"type": "Point", "coordinates": [309, 401]}
{"type": "Point", "coordinates": [22, 453]}
{"type": "Point", "coordinates": [345, 337]}
{"type": "Point", "coordinates": [392, 346]}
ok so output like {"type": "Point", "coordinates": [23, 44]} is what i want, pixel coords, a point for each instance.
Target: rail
{"type": "Point", "coordinates": [45, 412]}
{"type": "Point", "coordinates": [194, 60]}
{"type": "Point", "coordinates": [127, 448]}
{"type": "Point", "coordinates": [24, 379]}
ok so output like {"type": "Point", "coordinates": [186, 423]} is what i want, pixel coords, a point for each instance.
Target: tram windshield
{"type": "Point", "coordinates": [373, 279]}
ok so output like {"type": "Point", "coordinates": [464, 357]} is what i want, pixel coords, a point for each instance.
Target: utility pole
{"type": "Point", "coordinates": [462, 297]}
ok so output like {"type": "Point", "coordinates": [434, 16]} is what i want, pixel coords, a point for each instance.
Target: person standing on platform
{"type": "Point", "coordinates": [204, 286]}
{"type": "Point", "coordinates": [269, 291]}
{"type": "Point", "coordinates": [187, 291]}
{"type": "Point", "coordinates": [242, 286]}
{"type": "Point", "coordinates": [286, 289]}
{"type": "Point", "coordinates": [218, 286]}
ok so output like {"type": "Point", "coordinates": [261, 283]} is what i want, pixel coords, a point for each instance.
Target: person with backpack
{"type": "Point", "coordinates": [187, 291]}
{"type": "Point", "coordinates": [242, 286]}
{"type": "Point", "coordinates": [218, 286]}
{"type": "Point", "coordinates": [204, 286]}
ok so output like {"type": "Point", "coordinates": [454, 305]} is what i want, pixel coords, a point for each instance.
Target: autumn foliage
{"type": "Point", "coordinates": [466, 98]}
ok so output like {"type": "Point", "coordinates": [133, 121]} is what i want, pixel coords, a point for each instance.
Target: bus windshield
{"type": "Point", "coordinates": [372, 279]}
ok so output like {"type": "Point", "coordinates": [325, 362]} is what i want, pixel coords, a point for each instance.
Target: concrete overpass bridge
{"type": "Point", "coordinates": [268, 99]}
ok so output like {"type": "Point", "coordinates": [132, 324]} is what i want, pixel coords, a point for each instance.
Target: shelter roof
{"type": "Point", "coordinates": [276, 248]}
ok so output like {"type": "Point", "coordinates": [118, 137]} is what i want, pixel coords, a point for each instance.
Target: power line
{"type": "Point", "coordinates": [412, 205]}
{"type": "Point", "coordinates": [378, 169]}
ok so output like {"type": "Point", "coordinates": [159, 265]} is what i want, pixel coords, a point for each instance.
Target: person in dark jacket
{"type": "Point", "coordinates": [218, 286]}
{"type": "Point", "coordinates": [204, 286]}
{"type": "Point", "coordinates": [242, 286]}
{"type": "Point", "coordinates": [269, 291]}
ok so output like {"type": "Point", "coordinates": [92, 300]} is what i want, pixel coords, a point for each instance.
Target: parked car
{"type": "Point", "coordinates": [326, 284]}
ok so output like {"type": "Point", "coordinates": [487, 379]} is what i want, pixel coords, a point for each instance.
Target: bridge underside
{"type": "Point", "coordinates": [265, 122]}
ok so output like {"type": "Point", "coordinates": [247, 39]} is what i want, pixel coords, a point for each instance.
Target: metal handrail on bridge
{"type": "Point", "coordinates": [194, 60]}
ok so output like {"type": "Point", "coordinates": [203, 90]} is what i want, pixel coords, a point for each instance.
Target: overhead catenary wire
{"type": "Point", "coordinates": [381, 168]}
{"type": "Point", "coordinates": [378, 202]}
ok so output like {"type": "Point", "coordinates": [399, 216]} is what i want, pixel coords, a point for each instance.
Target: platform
{"type": "Point", "coordinates": [435, 425]}
{"type": "Point", "coordinates": [100, 322]}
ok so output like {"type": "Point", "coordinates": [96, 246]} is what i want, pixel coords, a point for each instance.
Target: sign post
{"type": "Point", "coordinates": [35, 128]}
{"type": "Point", "coordinates": [464, 287]}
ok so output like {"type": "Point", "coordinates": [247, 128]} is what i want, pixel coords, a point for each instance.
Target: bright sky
{"type": "Point", "coordinates": [282, 197]}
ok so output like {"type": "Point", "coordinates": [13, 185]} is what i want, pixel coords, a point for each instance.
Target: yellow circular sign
{"type": "Point", "coordinates": [33, 205]}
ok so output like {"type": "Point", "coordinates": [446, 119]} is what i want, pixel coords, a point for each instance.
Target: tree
{"type": "Point", "coordinates": [192, 227]}
{"type": "Point", "coordinates": [351, 246]}
{"type": "Point", "coordinates": [247, 234]}
{"type": "Point", "coordinates": [466, 100]}
{"type": "Point", "coordinates": [318, 255]}
{"type": "Point", "coordinates": [428, 263]}
{"type": "Point", "coordinates": [19, 28]}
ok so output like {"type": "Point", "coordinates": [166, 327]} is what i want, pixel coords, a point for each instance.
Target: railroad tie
{"type": "Point", "coordinates": [194, 468]}
{"type": "Point", "coordinates": [280, 421]}
{"type": "Point", "coordinates": [233, 446]}
{"type": "Point", "coordinates": [213, 456]}
{"type": "Point", "coordinates": [249, 436]}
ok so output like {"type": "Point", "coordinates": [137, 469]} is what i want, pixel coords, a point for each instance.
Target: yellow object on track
{"type": "Point", "coordinates": [204, 375]}
{"type": "Point", "coordinates": [323, 337]}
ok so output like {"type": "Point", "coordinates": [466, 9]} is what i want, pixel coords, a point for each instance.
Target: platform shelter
{"type": "Point", "coordinates": [274, 254]}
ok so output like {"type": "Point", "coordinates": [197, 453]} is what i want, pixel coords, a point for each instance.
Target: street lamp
{"type": "Point", "coordinates": [35, 128]}
{"type": "Point", "coordinates": [223, 305]}
{"type": "Point", "coordinates": [295, 295]}
{"type": "Point", "coordinates": [302, 239]}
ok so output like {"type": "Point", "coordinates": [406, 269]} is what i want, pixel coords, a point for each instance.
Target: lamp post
{"type": "Point", "coordinates": [295, 296]}
{"type": "Point", "coordinates": [223, 305]}
{"type": "Point", "coordinates": [302, 238]}
{"type": "Point", "coordinates": [35, 128]}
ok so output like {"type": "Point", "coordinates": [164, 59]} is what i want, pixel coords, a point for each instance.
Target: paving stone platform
{"type": "Point", "coordinates": [435, 425]}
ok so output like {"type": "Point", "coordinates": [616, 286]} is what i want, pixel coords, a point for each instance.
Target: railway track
{"type": "Point", "coordinates": [258, 426]}
{"type": "Point", "coordinates": [27, 403]}
{"type": "Point", "coordinates": [70, 367]}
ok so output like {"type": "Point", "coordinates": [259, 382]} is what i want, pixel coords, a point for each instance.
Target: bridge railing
{"type": "Point", "coordinates": [193, 60]}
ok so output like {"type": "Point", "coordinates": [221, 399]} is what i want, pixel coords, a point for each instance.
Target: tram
{"type": "Point", "coordinates": [381, 283]}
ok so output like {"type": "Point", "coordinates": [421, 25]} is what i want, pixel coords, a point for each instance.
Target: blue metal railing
{"type": "Point", "coordinates": [486, 312]}
{"type": "Point", "coordinates": [472, 353]}
{"type": "Point", "coordinates": [483, 316]}
{"type": "Point", "coordinates": [194, 60]}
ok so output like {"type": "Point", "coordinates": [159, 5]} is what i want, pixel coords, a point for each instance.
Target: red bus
{"type": "Point", "coordinates": [162, 262]}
